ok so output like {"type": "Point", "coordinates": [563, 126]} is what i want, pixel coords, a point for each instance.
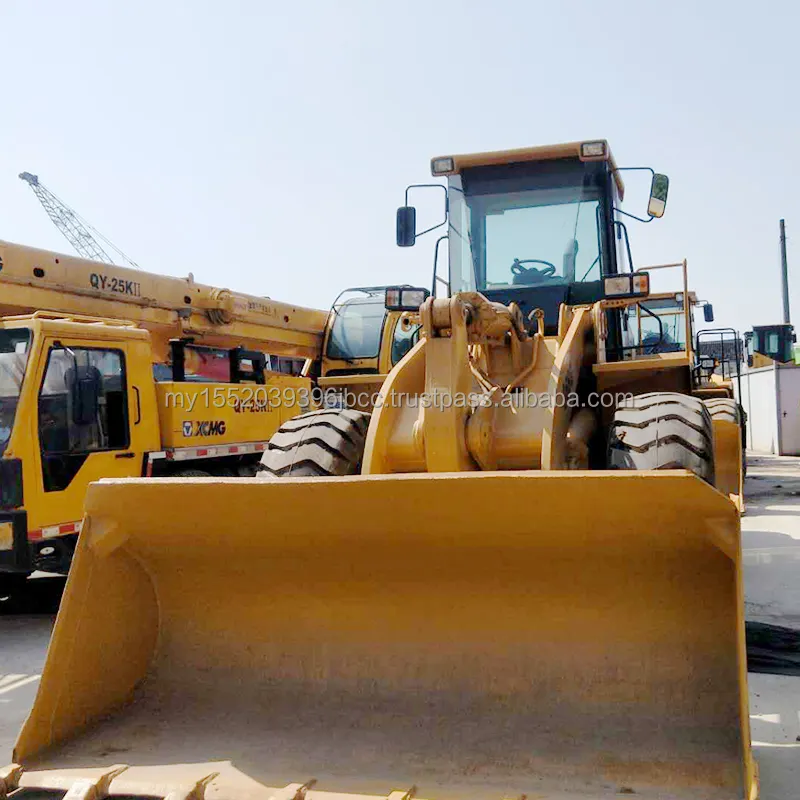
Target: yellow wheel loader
{"type": "Point", "coordinates": [520, 576]}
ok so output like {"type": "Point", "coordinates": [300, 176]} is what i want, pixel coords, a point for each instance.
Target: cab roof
{"type": "Point", "coordinates": [76, 324]}
{"type": "Point", "coordinates": [522, 154]}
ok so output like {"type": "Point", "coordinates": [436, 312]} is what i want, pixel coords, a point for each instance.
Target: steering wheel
{"type": "Point", "coordinates": [532, 272]}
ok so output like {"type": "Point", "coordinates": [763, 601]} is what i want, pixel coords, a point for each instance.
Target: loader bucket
{"type": "Point", "coordinates": [478, 635]}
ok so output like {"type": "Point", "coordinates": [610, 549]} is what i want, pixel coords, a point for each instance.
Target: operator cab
{"type": "Point", "coordinates": [538, 227]}
{"type": "Point", "coordinates": [535, 233]}
{"type": "Point", "coordinates": [364, 340]}
{"type": "Point", "coordinates": [773, 342]}
{"type": "Point", "coordinates": [359, 328]}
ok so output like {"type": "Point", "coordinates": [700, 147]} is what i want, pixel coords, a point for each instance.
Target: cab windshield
{"type": "Point", "coordinates": [357, 327]}
{"type": "Point", "coordinates": [14, 348]}
{"type": "Point", "coordinates": [527, 226]}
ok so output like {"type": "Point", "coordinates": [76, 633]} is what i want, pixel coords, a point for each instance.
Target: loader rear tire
{"type": "Point", "coordinates": [320, 443]}
{"type": "Point", "coordinates": [724, 408]}
{"type": "Point", "coordinates": [663, 430]}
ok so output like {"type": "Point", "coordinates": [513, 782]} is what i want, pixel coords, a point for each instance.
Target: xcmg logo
{"type": "Point", "coordinates": [213, 427]}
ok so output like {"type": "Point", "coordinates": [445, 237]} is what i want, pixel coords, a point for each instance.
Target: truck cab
{"type": "Point", "coordinates": [77, 403]}
{"type": "Point", "coordinates": [86, 398]}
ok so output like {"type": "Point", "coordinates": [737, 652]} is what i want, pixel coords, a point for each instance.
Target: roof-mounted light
{"type": "Point", "coordinates": [593, 149]}
{"type": "Point", "coordinates": [442, 166]}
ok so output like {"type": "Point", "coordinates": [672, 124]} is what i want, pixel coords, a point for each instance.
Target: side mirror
{"type": "Point", "coordinates": [406, 226]}
{"type": "Point", "coordinates": [708, 312]}
{"type": "Point", "coordinates": [84, 388]}
{"type": "Point", "coordinates": [658, 196]}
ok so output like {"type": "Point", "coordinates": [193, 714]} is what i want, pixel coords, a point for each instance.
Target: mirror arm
{"type": "Point", "coordinates": [427, 186]}
{"type": "Point", "coordinates": [446, 204]}
{"type": "Point", "coordinates": [633, 216]}
{"type": "Point", "coordinates": [428, 230]}
{"type": "Point", "coordinates": [635, 169]}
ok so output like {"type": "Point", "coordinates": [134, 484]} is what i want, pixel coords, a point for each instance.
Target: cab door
{"type": "Point", "coordinates": [88, 424]}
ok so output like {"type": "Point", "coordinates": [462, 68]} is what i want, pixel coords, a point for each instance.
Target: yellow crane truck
{"type": "Point", "coordinates": [113, 372]}
{"type": "Point", "coordinates": [520, 589]}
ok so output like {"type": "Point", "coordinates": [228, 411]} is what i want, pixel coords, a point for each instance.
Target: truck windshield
{"type": "Point", "coordinates": [533, 225]}
{"type": "Point", "coordinates": [14, 347]}
{"type": "Point", "coordinates": [357, 327]}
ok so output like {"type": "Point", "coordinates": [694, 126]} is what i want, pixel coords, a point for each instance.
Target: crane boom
{"type": "Point", "coordinates": [76, 231]}
{"type": "Point", "coordinates": [33, 279]}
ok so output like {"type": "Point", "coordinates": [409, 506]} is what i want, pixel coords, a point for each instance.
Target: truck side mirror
{"type": "Point", "coordinates": [659, 187]}
{"type": "Point", "coordinates": [406, 226]}
{"type": "Point", "coordinates": [84, 388]}
{"type": "Point", "coordinates": [708, 312]}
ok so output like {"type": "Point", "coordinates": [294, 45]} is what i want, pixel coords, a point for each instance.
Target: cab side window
{"type": "Point", "coordinates": [405, 337]}
{"type": "Point", "coordinates": [83, 408]}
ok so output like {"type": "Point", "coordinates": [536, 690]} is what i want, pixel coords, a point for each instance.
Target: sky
{"type": "Point", "coordinates": [265, 146]}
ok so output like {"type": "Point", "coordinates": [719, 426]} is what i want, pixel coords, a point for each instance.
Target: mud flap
{"type": "Point", "coordinates": [489, 634]}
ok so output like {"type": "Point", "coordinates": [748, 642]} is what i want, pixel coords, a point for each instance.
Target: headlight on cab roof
{"type": "Point", "coordinates": [442, 166]}
{"type": "Point", "coordinates": [593, 149]}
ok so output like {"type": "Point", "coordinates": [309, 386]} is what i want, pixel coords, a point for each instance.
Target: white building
{"type": "Point", "coordinates": [771, 398]}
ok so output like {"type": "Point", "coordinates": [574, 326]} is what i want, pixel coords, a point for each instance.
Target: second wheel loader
{"type": "Point", "coordinates": [505, 586]}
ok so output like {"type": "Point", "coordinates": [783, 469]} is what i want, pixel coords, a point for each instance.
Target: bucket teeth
{"type": "Point", "coordinates": [99, 786]}
{"type": "Point", "coordinates": [401, 795]}
{"type": "Point", "coordinates": [294, 791]}
{"type": "Point", "coordinates": [9, 779]}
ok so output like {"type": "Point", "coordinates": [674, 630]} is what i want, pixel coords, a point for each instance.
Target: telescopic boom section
{"type": "Point", "coordinates": [32, 279]}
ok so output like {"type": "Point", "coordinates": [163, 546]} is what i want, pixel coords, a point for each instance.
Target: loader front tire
{"type": "Point", "coordinates": [663, 430]}
{"type": "Point", "coordinates": [320, 443]}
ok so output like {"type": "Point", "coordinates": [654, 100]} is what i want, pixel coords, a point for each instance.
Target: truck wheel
{"type": "Point", "coordinates": [724, 408]}
{"type": "Point", "coordinates": [320, 443]}
{"type": "Point", "coordinates": [12, 584]}
{"type": "Point", "coordinates": [663, 430]}
{"type": "Point", "coordinates": [191, 473]}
